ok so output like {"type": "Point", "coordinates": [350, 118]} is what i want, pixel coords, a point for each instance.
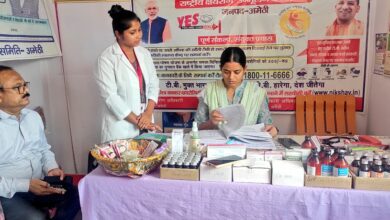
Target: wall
{"type": "Point", "coordinates": [48, 91]}
{"type": "Point", "coordinates": [378, 98]}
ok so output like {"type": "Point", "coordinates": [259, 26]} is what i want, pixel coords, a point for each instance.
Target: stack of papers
{"type": "Point", "coordinates": [232, 131]}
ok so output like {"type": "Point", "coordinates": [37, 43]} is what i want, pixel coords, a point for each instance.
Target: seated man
{"type": "Point", "coordinates": [25, 158]}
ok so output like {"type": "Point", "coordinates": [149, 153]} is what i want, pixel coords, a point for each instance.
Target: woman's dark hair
{"type": "Point", "coordinates": [233, 54]}
{"type": "Point", "coordinates": [122, 18]}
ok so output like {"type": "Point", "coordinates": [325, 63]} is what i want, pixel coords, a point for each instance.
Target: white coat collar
{"type": "Point", "coordinates": [138, 52]}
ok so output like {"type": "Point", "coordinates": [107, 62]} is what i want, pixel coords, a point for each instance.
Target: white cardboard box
{"type": "Point", "coordinates": [252, 171]}
{"type": "Point", "coordinates": [222, 150]}
{"type": "Point", "coordinates": [287, 173]}
{"type": "Point", "coordinates": [210, 173]}
{"type": "Point", "coordinates": [273, 155]}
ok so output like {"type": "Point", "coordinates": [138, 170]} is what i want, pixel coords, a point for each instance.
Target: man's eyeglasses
{"type": "Point", "coordinates": [20, 88]}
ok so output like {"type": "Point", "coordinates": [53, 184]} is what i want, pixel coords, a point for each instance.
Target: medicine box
{"type": "Point", "coordinates": [222, 150]}
{"type": "Point", "coordinates": [287, 173]}
{"type": "Point", "coordinates": [179, 173]}
{"type": "Point", "coordinates": [210, 173]}
{"type": "Point", "coordinates": [364, 183]}
{"type": "Point", "coordinates": [252, 171]}
{"type": "Point", "coordinates": [328, 182]}
{"type": "Point", "coordinates": [273, 155]}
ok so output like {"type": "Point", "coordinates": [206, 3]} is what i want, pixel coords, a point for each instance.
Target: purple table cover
{"type": "Point", "coordinates": [104, 196]}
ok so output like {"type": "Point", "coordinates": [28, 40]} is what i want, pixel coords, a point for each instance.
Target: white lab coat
{"type": "Point", "coordinates": [119, 87]}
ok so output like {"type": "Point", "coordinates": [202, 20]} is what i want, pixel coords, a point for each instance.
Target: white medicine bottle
{"type": "Point", "coordinates": [195, 139]}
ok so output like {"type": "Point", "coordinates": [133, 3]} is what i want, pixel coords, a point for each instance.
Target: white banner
{"type": "Point", "coordinates": [25, 31]}
{"type": "Point", "coordinates": [292, 46]}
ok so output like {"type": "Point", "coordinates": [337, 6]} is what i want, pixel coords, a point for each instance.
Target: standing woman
{"type": "Point", "coordinates": [127, 80]}
{"type": "Point", "coordinates": [233, 89]}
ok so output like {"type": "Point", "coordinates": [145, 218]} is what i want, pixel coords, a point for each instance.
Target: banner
{"type": "Point", "coordinates": [25, 31]}
{"type": "Point", "coordinates": [293, 46]}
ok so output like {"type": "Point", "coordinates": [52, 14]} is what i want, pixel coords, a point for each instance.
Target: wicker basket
{"type": "Point", "coordinates": [134, 168]}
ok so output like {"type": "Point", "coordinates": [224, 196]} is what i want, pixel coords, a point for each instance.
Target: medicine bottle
{"type": "Point", "coordinates": [377, 169]}
{"type": "Point", "coordinates": [364, 170]}
{"type": "Point", "coordinates": [386, 172]}
{"type": "Point", "coordinates": [340, 165]}
{"type": "Point", "coordinates": [364, 156]}
{"type": "Point", "coordinates": [195, 140]}
{"type": "Point", "coordinates": [355, 165]}
{"type": "Point", "coordinates": [313, 164]}
{"type": "Point", "coordinates": [326, 164]}
{"type": "Point", "coordinates": [321, 154]}
{"type": "Point", "coordinates": [307, 143]}
{"type": "Point", "coordinates": [384, 159]}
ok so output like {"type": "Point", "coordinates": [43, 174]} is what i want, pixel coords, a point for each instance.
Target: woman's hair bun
{"type": "Point", "coordinates": [115, 11]}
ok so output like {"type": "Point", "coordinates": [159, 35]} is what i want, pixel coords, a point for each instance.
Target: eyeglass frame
{"type": "Point", "coordinates": [21, 88]}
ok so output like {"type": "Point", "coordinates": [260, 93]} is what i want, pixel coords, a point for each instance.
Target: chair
{"type": "Point", "coordinates": [325, 115]}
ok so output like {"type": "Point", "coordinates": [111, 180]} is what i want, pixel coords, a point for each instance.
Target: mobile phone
{"type": "Point", "coordinates": [288, 143]}
{"type": "Point", "coordinates": [56, 182]}
{"type": "Point", "coordinates": [223, 161]}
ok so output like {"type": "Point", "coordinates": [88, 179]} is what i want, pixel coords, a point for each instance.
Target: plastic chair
{"type": "Point", "coordinates": [325, 115]}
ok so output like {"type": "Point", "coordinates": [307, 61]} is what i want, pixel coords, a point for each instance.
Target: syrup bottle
{"type": "Point", "coordinates": [307, 144]}
{"type": "Point", "coordinates": [386, 173]}
{"type": "Point", "coordinates": [335, 154]}
{"type": "Point", "coordinates": [377, 169]}
{"type": "Point", "coordinates": [340, 165]}
{"type": "Point", "coordinates": [313, 164]}
{"type": "Point", "coordinates": [321, 154]}
{"type": "Point", "coordinates": [364, 170]}
{"type": "Point", "coordinates": [385, 157]}
{"type": "Point", "coordinates": [326, 164]}
{"type": "Point", "coordinates": [355, 165]}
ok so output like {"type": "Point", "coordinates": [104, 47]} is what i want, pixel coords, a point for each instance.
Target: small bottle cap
{"type": "Point", "coordinates": [376, 157]}
{"type": "Point", "coordinates": [378, 162]}
{"type": "Point", "coordinates": [364, 161]}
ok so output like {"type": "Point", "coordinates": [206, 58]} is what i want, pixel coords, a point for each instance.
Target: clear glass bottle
{"type": "Point", "coordinates": [313, 167]}
{"type": "Point", "coordinates": [364, 170]}
{"type": "Point", "coordinates": [327, 164]}
{"type": "Point", "coordinates": [355, 165]}
{"type": "Point", "coordinates": [377, 169]}
{"type": "Point", "coordinates": [340, 165]}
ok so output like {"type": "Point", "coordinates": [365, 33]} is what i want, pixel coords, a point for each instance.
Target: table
{"type": "Point", "coordinates": [104, 196]}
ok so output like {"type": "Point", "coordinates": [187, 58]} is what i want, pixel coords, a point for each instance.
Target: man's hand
{"type": "Point", "coordinates": [42, 188]}
{"type": "Point", "coordinates": [56, 172]}
{"type": "Point", "coordinates": [216, 117]}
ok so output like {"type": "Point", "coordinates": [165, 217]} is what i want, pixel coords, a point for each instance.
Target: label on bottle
{"type": "Point", "coordinates": [311, 170]}
{"type": "Point", "coordinates": [340, 172]}
{"type": "Point", "coordinates": [194, 144]}
{"type": "Point", "coordinates": [326, 170]}
{"type": "Point", "coordinates": [376, 174]}
{"type": "Point", "coordinates": [364, 173]}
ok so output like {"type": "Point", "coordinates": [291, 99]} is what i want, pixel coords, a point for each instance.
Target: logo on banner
{"type": "Point", "coordinates": [295, 21]}
{"type": "Point", "coordinates": [197, 21]}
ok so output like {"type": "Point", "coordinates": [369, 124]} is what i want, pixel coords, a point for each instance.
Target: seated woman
{"type": "Point", "coordinates": [233, 89]}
